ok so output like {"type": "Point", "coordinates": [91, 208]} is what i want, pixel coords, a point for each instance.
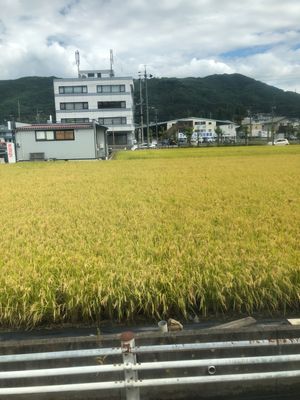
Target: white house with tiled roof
{"type": "Point", "coordinates": [61, 142]}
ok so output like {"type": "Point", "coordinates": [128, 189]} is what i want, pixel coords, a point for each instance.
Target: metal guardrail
{"type": "Point", "coordinates": [131, 368]}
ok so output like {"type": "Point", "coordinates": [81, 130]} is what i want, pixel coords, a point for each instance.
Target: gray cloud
{"type": "Point", "coordinates": [68, 7]}
{"type": "Point", "coordinates": [173, 37]}
{"type": "Point", "coordinates": [2, 28]}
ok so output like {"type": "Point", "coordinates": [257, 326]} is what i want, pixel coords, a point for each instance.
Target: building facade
{"type": "Point", "coordinates": [98, 95]}
{"type": "Point", "coordinates": [262, 125]}
{"type": "Point", "coordinates": [203, 129]}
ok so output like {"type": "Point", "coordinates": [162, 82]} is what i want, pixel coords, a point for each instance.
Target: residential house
{"type": "Point", "coordinates": [61, 141]}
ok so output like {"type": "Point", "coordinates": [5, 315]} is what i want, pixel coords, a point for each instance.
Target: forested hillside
{"type": "Point", "coordinates": [28, 99]}
{"type": "Point", "coordinates": [31, 99]}
{"type": "Point", "coordinates": [220, 97]}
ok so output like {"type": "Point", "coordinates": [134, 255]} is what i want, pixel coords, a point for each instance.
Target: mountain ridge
{"type": "Point", "coordinates": [219, 96]}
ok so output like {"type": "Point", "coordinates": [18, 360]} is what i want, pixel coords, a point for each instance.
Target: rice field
{"type": "Point", "coordinates": [152, 234]}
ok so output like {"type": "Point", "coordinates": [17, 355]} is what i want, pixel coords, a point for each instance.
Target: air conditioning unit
{"type": "Point", "coordinates": [37, 156]}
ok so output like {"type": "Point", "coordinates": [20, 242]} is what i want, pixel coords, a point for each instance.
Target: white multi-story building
{"type": "Point", "coordinates": [97, 95]}
{"type": "Point", "coordinates": [203, 128]}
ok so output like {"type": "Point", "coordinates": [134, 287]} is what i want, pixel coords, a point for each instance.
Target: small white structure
{"type": "Point", "coordinates": [61, 142]}
{"type": "Point", "coordinates": [228, 130]}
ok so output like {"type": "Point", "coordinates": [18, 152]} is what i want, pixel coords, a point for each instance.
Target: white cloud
{"type": "Point", "coordinates": [173, 37]}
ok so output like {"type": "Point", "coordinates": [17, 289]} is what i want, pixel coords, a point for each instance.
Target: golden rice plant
{"type": "Point", "coordinates": [153, 234]}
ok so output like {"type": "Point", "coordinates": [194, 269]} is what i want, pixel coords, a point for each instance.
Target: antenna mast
{"type": "Point", "coordinates": [77, 60]}
{"type": "Point", "coordinates": [111, 63]}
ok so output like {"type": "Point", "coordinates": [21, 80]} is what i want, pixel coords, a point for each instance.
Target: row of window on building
{"type": "Point", "coordinates": [102, 121]}
{"type": "Point", "coordinates": [84, 89]}
{"type": "Point", "coordinates": [84, 105]}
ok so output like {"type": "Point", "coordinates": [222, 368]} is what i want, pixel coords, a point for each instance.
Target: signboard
{"type": "Point", "coordinates": [11, 155]}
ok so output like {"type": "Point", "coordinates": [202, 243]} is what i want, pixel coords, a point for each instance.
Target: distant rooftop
{"type": "Point", "coordinates": [99, 73]}
{"type": "Point", "coordinates": [56, 126]}
{"type": "Point", "coordinates": [94, 74]}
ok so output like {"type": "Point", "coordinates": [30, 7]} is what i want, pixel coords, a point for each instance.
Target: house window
{"type": "Point", "coordinates": [110, 88]}
{"type": "Point", "coordinates": [111, 104]}
{"type": "Point", "coordinates": [74, 106]}
{"type": "Point", "coordinates": [91, 75]}
{"type": "Point", "coordinates": [45, 136]}
{"type": "Point", "coordinates": [72, 89]}
{"type": "Point", "coordinates": [41, 136]}
{"type": "Point", "coordinates": [113, 121]}
{"type": "Point", "coordinates": [64, 135]}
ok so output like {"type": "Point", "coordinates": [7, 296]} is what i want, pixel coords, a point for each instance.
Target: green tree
{"type": "Point", "coordinates": [189, 133]}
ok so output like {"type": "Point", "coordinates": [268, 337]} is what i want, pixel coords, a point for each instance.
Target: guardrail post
{"type": "Point", "coordinates": [129, 359]}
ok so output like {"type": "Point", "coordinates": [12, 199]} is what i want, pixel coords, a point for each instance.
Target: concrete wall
{"type": "Point", "coordinates": [249, 390]}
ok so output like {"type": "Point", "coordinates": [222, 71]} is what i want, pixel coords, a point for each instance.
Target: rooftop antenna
{"type": "Point", "coordinates": [77, 60]}
{"type": "Point", "coordinates": [111, 63]}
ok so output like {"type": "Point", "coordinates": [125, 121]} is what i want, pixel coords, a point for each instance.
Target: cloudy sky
{"type": "Point", "coordinates": [174, 38]}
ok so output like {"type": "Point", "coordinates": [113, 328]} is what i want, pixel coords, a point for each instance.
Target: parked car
{"type": "Point", "coordinates": [208, 140]}
{"type": "Point", "coordinates": [279, 142]}
{"type": "Point", "coordinates": [146, 146]}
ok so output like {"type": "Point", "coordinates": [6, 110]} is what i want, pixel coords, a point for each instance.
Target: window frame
{"type": "Point", "coordinates": [64, 106]}
{"type": "Point", "coordinates": [113, 119]}
{"type": "Point", "coordinates": [74, 120]}
{"type": "Point", "coordinates": [122, 88]}
{"type": "Point", "coordinates": [64, 131]}
{"type": "Point", "coordinates": [54, 138]}
{"type": "Point", "coordinates": [62, 89]}
{"type": "Point", "coordinates": [45, 138]}
{"type": "Point", "coordinates": [108, 104]}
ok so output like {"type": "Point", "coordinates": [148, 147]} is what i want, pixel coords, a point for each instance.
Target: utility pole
{"type": "Point", "coordinates": [272, 125]}
{"type": "Point", "coordinates": [250, 125]}
{"type": "Point", "coordinates": [147, 107]}
{"type": "Point", "coordinates": [38, 115]}
{"type": "Point", "coordinates": [156, 126]}
{"type": "Point", "coordinates": [19, 111]}
{"type": "Point", "coordinates": [141, 130]}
